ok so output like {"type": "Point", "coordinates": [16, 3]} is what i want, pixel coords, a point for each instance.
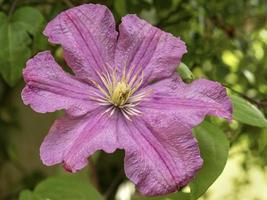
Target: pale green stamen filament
{"type": "Point", "coordinates": [120, 92]}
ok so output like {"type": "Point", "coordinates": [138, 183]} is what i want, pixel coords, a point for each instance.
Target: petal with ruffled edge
{"type": "Point", "coordinates": [49, 87]}
{"type": "Point", "coordinates": [165, 156]}
{"type": "Point", "coordinates": [159, 158]}
{"type": "Point", "coordinates": [141, 45]}
{"type": "Point", "coordinates": [88, 36]}
{"type": "Point", "coordinates": [72, 140]}
{"type": "Point", "coordinates": [188, 103]}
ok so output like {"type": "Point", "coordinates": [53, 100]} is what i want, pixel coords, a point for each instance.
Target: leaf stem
{"type": "Point", "coordinates": [12, 7]}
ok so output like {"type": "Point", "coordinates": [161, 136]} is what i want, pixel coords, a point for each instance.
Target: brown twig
{"type": "Point", "coordinates": [258, 103]}
{"type": "Point", "coordinates": [228, 29]}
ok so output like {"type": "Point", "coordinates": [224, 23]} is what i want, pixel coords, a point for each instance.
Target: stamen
{"type": "Point", "coordinates": [119, 91]}
{"type": "Point", "coordinates": [135, 77]}
{"type": "Point", "coordinates": [129, 73]}
{"type": "Point", "coordinates": [111, 113]}
{"type": "Point", "coordinates": [100, 88]}
{"type": "Point", "coordinates": [130, 112]}
{"type": "Point", "coordinates": [109, 109]}
{"type": "Point", "coordinates": [125, 115]}
{"type": "Point", "coordinates": [135, 110]}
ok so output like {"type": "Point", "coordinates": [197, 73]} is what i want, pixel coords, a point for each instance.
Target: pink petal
{"type": "Point", "coordinates": [140, 44]}
{"type": "Point", "coordinates": [49, 88]}
{"type": "Point", "coordinates": [188, 103]}
{"type": "Point", "coordinates": [88, 36]}
{"type": "Point", "coordinates": [72, 140]}
{"type": "Point", "coordinates": [158, 159]}
{"type": "Point", "coordinates": [163, 155]}
{"type": "Point", "coordinates": [160, 156]}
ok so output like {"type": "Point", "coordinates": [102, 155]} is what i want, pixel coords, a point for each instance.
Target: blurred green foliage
{"type": "Point", "coordinates": [226, 41]}
{"type": "Point", "coordinates": [59, 188]}
{"type": "Point", "coordinates": [16, 31]}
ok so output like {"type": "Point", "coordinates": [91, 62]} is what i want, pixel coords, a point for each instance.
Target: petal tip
{"type": "Point", "coordinates": [68, 168]}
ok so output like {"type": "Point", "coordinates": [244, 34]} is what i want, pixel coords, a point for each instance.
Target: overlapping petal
{"type": "Point", "coordinates": [141, 45]}
{"type": "Point", "coordinates": [165, 156]}
{"type": "Point", "coordinates": [160, 157]}
{"type": "Point", "coordinates": [48, 88]}
{"type": "Point", "coordinates": [72, 140]}
{"type": "Point", "coordinates": [88, 36]}
{"type": "Point", "coordinates": [188, 103]}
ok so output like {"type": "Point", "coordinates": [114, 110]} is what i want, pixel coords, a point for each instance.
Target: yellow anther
{"type": "Point", "coordinates": [120, 93]}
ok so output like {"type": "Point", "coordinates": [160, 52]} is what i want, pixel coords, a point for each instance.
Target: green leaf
{"type": "Point", "coordinates": [160, 5]}
{"type": "Point", "coordinates": [245, 112]}
{"type": "Point", "coordinates": [39, 43]}
{"type": "Point", "coordinates": [214, 148]}
{"type": "Point", "coordinates": [27, 195]}
{"type": "Point", "coordinates": [15, 41]}
{"type": "Point", "coordinates": [120, 7]}
{"type": "Point", "coordinates": [3, 17]}
{"type": "Point", "coordinates": [174, 196]}
{"type": "Point", "coordinates": [30, 18]}
{"type": "Point", "coordinates": [58, 188]}
{"type": "Point", "coordinates": [185, 72]}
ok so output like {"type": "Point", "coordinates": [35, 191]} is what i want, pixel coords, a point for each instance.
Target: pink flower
{"type": "Point", "coordinates": [125, 94]}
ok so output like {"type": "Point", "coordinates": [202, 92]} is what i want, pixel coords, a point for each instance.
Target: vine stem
{"type": "Point", "coordinates": [260, 103]}
{"type": "Point", "coordinates": [12, 8]}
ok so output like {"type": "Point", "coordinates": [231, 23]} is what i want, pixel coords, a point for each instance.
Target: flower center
{"type": "Point", "coordinates": [120, 92]}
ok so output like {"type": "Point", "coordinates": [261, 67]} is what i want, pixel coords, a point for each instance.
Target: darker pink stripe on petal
{"type": "Point", "coordinates": [188, 103]}
{"type": "Point", "coordinates": [141, 45]}
{"type": "Point", "coordinates": [49, 88]}
{"type": "Point", "coordinates": [72, 140]}
{"type": "Point", "coordinates": [160, 158]}
{"type": "Point", "coordinates": [88, 36]}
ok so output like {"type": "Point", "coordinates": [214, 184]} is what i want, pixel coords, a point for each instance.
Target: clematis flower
{"type": "Point", "coordinates": [124, 94]}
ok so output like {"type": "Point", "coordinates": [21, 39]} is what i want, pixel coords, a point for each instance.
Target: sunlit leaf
{"type": "Point", "coordinates": [214, 148]}
{"type": "Point", "coordinates": [247, 113]}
